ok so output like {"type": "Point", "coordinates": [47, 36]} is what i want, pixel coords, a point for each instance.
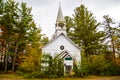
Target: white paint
{"type": "Point", "coordinates": [68, 62]}
{"type": "Point", "coordinates": [53, 48]}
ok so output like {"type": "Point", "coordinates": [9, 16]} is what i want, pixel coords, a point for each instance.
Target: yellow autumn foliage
{"type": "Point", "coordinates": [31, 60]}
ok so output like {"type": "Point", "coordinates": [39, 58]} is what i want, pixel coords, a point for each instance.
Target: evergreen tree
{"type": "Point", "coordinates": [1, 33]}
{"type": "Point", "coordinates": [109, 33]}
{"type": "Point", "coordinates": [8, 23]}
{"type": "Point", "coordinates": [18, 30]}
{"type": "Point", "coordinates": [117, 39]}
{"type": "Point", "coordinates": [85, 31]}
{"type": "Point", "coordinates": [45, 40]}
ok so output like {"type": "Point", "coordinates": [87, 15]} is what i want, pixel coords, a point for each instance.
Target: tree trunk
{"type": "Point", "coordinates": [113, 47]}
{"type": "Point", "coordinates": [14, 59]}
{"type": "Point", "coordinates": [6, 58]}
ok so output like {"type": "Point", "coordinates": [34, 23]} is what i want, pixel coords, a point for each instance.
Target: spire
{"type": "Point", "coordinates": [60, 17]}
{"type": "Point", "coordinates": [60, 26]}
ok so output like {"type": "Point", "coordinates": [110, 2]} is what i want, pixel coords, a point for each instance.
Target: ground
{"type": "Point", "coordinates": [15, 77]}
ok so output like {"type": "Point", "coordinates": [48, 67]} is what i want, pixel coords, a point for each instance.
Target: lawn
{"type": "Point", "coordinates": [16, 77]}
{"type": "Point", "coordinates": [10, 76]}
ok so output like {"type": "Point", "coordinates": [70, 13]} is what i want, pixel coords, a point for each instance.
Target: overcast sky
{"type": "Point", "coordinates": [45, 11]}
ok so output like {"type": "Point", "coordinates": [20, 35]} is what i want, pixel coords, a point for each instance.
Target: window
{"type": "Point", "coordinates": [62, 47]}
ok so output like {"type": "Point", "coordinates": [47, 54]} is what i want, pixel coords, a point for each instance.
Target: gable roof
{"type": "Point", "coordinates": [62, 34]}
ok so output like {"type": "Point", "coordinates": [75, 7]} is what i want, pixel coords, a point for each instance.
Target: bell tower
{"type": "Point", "coordinates": [60, 25]}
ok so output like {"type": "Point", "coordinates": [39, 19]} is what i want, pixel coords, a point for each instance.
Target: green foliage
{"type": "Point", "coordinates": [45, 40]}
{"type": "Point", "coordinates": [111, 33]}
{"type": "Point", "coordinates": [100, 66]}
{"type": "Point", "coordinates": [70, 26]}
{"type": "Point", "coordinates": [21, 34]}
{"type": "Point", "coordinates": [49, 68]}
{"type": "Point", "coordinates": [54, 67]}
{"type": "Point", "coordinates": [31, 60]}
{"type": "Point", "coordinates": [85, 30]}
{"type": "Point", "coordinates": [77, 71]}
{"type": "Point", "coordinates": [19, 30]}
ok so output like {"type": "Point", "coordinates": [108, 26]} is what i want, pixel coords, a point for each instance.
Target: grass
{"type": "Point", "coordinates": [16, 77]}
{"type": "Point", "coordinates": [10, 76]}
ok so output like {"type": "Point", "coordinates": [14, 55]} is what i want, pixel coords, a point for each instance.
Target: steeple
{"type": "Point", "coordinates": [60, 26]}
{"type": "Point", "coordinates": [60, 17]}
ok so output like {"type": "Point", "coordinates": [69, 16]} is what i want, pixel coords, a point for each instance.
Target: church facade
{"type": "Point", "coordinates": [62, 46]}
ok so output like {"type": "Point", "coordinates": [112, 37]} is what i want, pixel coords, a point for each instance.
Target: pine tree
{"type": "Point", "coordinates": [111, 33]}
{"type": "Point", "coordinates": [8, 23]}
{"type": "Point", "coordinates": [25, 27]}
{"type": "Point", "coordinates": [18, 30]}
{"type": "Point", "coordinates": [85, 32]}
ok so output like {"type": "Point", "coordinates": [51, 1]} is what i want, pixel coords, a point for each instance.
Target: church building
{"type": "Point", "coordinates": [62, 45]}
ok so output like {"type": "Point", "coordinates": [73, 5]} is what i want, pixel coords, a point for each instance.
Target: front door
{"type": "Point", "coordinates": [68, 68]}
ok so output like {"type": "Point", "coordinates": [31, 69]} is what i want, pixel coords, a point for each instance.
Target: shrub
{"type": "Point", "coordinates": [100, 66]}
{"type": "Point", "coordinates": [54, 68]}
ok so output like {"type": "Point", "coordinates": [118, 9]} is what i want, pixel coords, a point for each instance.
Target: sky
{"type": "Point", "coordinates": [45, 11]}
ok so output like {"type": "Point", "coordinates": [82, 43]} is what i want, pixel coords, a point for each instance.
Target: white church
{"type": "Point", "coordinates": [62, 45]}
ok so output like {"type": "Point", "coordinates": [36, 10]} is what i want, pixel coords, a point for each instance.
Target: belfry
{"type": "Point", "coordinates": [60, 26]}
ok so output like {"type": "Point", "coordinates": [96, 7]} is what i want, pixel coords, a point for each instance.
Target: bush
{"type": "Point", "coordinates": [76, 71]}
{"type": "Point", "coordinates": [97, 66]}
{"type": "Point", "coordinates": [54, 69]}
{"type": "Point", "coordinates": [100, 66]}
